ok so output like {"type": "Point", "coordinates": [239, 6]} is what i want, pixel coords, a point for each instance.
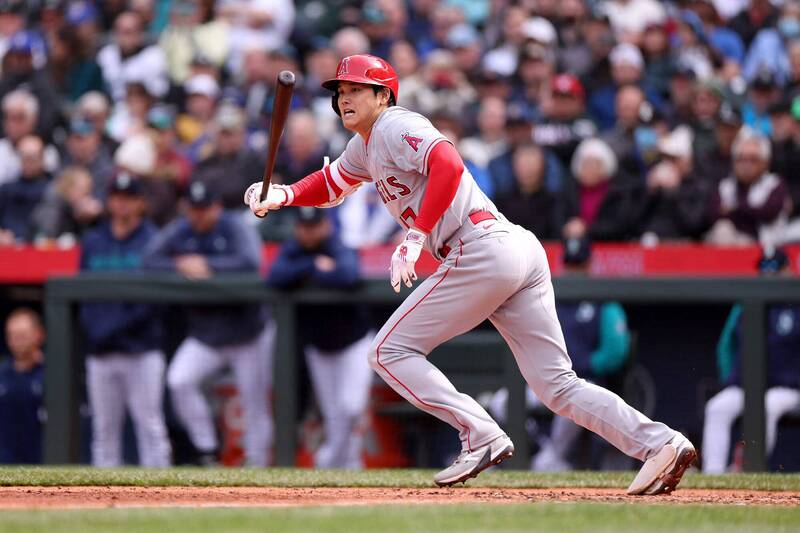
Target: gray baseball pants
{"type": "Point", "coordinates": [499, 271]}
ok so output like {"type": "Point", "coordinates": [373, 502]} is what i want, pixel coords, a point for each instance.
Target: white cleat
{"type": "Point", "coordinates": [663, 471]}
{"type": "Point", "coordinates": [469, 464]}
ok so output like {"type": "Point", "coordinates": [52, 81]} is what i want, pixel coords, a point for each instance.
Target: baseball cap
{"type": "Point", "coordinates": [772, 260]}
{"type": "Point", "coordinates": [310, 215]}
{"type": "Point", "coordinates": [462, 35]}
{"type": "Point", "coordinates": [519, 113]}
{"type": "Point", "coordinates": [577, 250]}
{"type": "Point", "coordinates": [765, 79]}
{"type": "Point", "coordinates": [21, 42]}
{"type": "Point", "coordinates": [201, 195]}
{"type": "Point", "coordinates": [125, 183]}
{"type": "Point", "coordinates": [81, 126]}
{"type": "Point", "coordinates": [539, 29]}
{"type": "Point", "coordinates": [568, 85]}
{"type": "Point", "coordinates": [80, 12]}
{"type": "Point", "coordinates": [160, 117]}
{"type": "Point", "coordinates": [628, 54]}
{"type": "Point", "coordinates": [202, 84]}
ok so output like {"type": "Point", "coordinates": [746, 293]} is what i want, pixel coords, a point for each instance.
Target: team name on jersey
{"type": "Point", "coordinates": [390, 188]}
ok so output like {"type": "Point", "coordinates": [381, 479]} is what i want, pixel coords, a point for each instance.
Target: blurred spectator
{"type": "Point", "coordinates": [129, 116]}
{"type": "Point", "coordinates": [207, 241]}
{"type": "Point", "coordinates": [231, 165]}
{"type": "Point", "coordinates": [19, 198]}
{"type": "Point", "coordinates": [255, 23]}
{"type": "Point", "coordinates": [304, 149]}
{"type": "Point", "coordinates": [446, 88]}
{"type": "Point", "coordinates": [758, 14]}
{"type": "Point", "coordinates": [629, 18]}
{"type": "Point", "coordinates": [22, 390]}
{"type": "Point", "coordinates": [192, 31]}
{"type": "Point", "coordinates": [194, 126]}
{"type": "Point", "coordinates": [716, 165]}
{"type": "Point", "coordinates": [258, 86]}
{"type": "Point", "coordinates": [465, 42]}
{"type": "Point", "coordinates": [691, 45]}
{"type": "Point", "coordinates": [406, 63]}
{"type": "Point", "coordinates": [724, 41]}
{"type": "Point", "coordinates": [783, 372]}
{"type": "Point", "coordinates": [93, 106]}
{"type": "Point", "coordinates": [163, 186]}
{"type": "Point", "coordinates": [20, 111]}
{"type": "Point", "coordinates": [707, 98]}
{"type": "Point", "coordinates": [752, 204]}
{"type": "Point", "coordinates": [764, 91]}
{"type": "Point", "coordinates": [349, 41]}
{"type": "Point", "coordinates": [337, 337]}
{"type": "Point", "coordinates": [519, 128]}
{"type": "Point", "coordinates": [574, 54]}
{"type": "Point", "coordinates": [20, 71]}
{"type": "Point", "coordinates": [565, 123]}
{"type": "Point", "coordinates": [83, 17]}
{"type": "Point", "coordinates": [68, 207]}
{"type": "Point", "coordinates": [529, 203]}
{"type": "Point", "coordinates": [537, 65]}
{"type": "Point", "coordinates": [596, 202]}
{"type": "Point", "coordinates": [660, 64]}
{"type": "Point", "coordinates": [625, 137]}
{"type": "Point", "coordinates": [383, 22]}
{"type": "Point", "coordinates": [72, 67]}
{"type": "Point", "coordinates": [675, 202]}
{"type": "Point", "coordinates": [490, 140]}
{"type": "Point", "coordinates": [12, 20]}
{"type": "Point", "coordinates": [129, 58]}
{"type": "Point", "coordinates": [124, 364]}
{"type": "Point", "coordinates": [627, 68]}
{"type": "Point", "coordinates": [85, 149]}
{"type": "Point", "coordinates": [681, 89]}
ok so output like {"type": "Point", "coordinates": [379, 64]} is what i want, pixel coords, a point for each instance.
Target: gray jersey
{"type": "Point", "coordinates": [396, 159]}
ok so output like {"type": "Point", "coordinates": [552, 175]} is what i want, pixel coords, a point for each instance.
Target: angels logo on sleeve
{"type": "Point", "coordinates": [412, 141]}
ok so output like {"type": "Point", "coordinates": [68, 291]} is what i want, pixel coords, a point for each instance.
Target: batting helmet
{"type": "Point", "coordinates": [364, 68]}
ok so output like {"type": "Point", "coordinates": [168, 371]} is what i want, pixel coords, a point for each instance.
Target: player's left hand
{"type": "Point", "coordinates": [404, 258]}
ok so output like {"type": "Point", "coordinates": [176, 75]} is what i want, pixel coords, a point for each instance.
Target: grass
{"type": "Point", "coordinates": [286, 477]}
{"type": "Point", "coordinates": [590, 517]}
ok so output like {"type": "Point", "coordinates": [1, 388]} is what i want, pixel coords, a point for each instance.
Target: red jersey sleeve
{"type": "Point", "coordinates": [444, 170]}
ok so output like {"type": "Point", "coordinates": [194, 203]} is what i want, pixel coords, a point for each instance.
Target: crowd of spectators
{"type": "Point", "coordinates": [621, 120]}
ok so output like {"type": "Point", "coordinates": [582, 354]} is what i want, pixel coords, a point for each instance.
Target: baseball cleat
{"type": "Point", "coordinates": [663, 471]}
{"type": "Point", "coordinates": [471, 463]}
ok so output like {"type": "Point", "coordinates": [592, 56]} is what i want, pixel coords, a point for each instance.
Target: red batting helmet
{"type": "Point", "coordinates": [364, 68]}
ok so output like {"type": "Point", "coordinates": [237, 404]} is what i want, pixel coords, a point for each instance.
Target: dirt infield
{"type": "Point", "coordinates": [101, 497]}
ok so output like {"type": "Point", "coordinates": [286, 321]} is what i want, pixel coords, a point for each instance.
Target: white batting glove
{"type": "Point", "coordinates": [277, 197]}
{"type": "Point", "coordinates": [404, 257]}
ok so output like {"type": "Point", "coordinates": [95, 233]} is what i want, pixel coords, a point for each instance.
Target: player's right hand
{"type": "Point", "coordinates": [277, 197]}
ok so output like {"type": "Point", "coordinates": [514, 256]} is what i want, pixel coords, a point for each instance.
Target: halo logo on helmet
{"type": "Point", "coordinates": [367, 69]}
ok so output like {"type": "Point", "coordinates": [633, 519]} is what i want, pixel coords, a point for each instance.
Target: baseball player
{"type": "Point", "coordinates": [125, 365]}
{"type": "Point", "coordinates": [490, 269]}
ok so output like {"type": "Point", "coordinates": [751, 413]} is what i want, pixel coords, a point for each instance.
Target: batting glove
{"type": "Point", "coordinates": [277, 197]}
{"type": "Point", "coordinates": [404, 258]}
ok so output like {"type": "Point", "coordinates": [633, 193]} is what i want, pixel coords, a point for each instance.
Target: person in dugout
{"type": "Point", "coordinates": [204, 242]}
{"type": "Point", "coordinates": [124, 364]}
{"type": "Point", "coordinates": [783, 372]}
{"type": "Point", "coordinates": [598, 341]}
{"type": "Point", "coordinates": [22, 389]}
{"type": "Point", "coordinates": [337, 337]}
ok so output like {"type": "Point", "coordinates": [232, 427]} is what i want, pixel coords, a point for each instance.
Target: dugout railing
{"type": "Point", "coordinates": [62, 435]}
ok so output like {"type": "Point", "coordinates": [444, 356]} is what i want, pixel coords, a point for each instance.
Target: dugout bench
{"type": "Point", "coordinates": [64, 293]}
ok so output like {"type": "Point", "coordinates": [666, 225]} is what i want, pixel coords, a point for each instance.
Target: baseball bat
{"type": "Point", "coordinates": [280, 110]}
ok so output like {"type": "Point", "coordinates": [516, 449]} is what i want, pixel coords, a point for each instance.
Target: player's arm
{"type": "Point", "coordinates": [444, 169]}
{"type": "Point", "coordinates": [324, 188]}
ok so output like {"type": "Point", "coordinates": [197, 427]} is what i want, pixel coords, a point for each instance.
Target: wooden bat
{"type": "Point", "coordinates": [280, 110]}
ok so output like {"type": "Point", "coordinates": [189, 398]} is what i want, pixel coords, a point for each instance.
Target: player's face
{"type": "Point", "coordinates": [359, 105]}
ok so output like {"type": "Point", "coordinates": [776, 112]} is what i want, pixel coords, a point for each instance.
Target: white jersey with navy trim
{"type": "Point", "coordinates": [395, 159]}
